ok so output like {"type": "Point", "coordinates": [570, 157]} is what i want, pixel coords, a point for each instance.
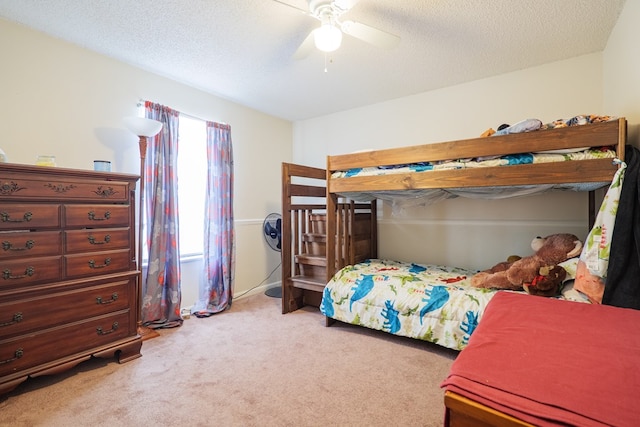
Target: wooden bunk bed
{"type": "Point", "coordinates": [342, 189]}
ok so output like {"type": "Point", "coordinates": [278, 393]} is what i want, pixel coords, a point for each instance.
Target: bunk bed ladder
{"type": "Point", "coordinates": [303, 253]}
{"type": "Point", "coordinates": [305, 235]}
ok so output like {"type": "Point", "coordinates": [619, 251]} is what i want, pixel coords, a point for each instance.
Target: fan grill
{"type": "Point", "coordinates": [272, 230]}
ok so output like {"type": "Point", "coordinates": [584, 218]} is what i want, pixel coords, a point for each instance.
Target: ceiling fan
{"type": "Point", "coordinates": [328, 36]}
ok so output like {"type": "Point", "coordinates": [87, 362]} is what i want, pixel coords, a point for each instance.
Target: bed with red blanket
{"type": "Point", "coordinates": [540, 361]}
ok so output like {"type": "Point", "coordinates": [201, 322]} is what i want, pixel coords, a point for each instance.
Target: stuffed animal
{"type": "Point", "coordinates": [548, 283]}
{"type": "Point", "coordinates": [549, 252]}
{"type": "Point", "coordinates": [503, 265]}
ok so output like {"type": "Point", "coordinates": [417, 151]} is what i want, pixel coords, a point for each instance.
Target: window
{"type": "Point", "coordinates": [192, 184]}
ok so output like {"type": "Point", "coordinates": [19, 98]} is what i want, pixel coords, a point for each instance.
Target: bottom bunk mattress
{"type": "Point", "coordinates": [428, 302]}
{"type": "Point", "coordinates": [550, 362]}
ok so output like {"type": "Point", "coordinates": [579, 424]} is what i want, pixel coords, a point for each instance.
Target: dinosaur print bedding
{"type": "Point", "coordinates": [427, 302]}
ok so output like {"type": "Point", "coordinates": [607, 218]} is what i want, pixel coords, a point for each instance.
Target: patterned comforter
{"type": "Point", "coordinates": [427, 302]}
{"type": "Point", "coordinates": [513, 159]}
{"type": "Point", "coordinates": [406, 198]}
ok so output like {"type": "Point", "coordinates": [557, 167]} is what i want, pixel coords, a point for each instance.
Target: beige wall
{"type": "Point", "coordinates": [61, 99]}
{"type": "Point", "coordinates": [467, 233]}
{"type": "Point", "coordinates": [621, 64]}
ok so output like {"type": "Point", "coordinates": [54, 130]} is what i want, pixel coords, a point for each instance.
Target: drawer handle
{"type": "Point", "coordinates": [92, 240]}
{"type": "Point", "coordinates": [17, 318]}
{"type": "Point", "coordinates": [29, 271]}
{"type": "Point", "coordinates": [113, 329]}
{"type": "Point", "coordinates": [92, 216]}
{"type": "Point", "coordinates": [6, 217]}
{"type": "Point", "coordinates": [114, 297]}
{"type": "Point", "coordinates": [17, 355]}
{"type": "Point", "coordinates": [8, 246]}
{"type": "Point", "coordinates": [92, 263]}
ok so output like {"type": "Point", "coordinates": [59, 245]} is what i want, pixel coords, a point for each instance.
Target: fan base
{"type": "Point", "coordinates": [275, 292]}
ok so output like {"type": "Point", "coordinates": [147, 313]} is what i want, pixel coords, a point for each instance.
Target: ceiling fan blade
{"type": "Point", "coordinates": [304, 12]}
{"type": "Point", "coordinates": [370, 35]}
{"type": "Point", "coordinates": [345, 5]}
{"type": "Point", "coordinates": [305, 48]}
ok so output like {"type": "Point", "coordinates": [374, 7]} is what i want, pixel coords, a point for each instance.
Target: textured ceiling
{"type": "Point", "coordinates": [242, 50]}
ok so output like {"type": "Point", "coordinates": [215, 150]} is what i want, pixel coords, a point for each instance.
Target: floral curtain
{"type": "Point", "coordinates": [161, 294]}
{"type": "Point", "coordinates": [216, 288]}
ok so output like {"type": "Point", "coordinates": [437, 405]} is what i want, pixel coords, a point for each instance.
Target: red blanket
{"type": "Point", "coordinates": [551, 362]}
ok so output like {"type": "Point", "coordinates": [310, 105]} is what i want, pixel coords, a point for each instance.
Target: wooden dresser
{"type": "Point", "coordinates": [68, 276]}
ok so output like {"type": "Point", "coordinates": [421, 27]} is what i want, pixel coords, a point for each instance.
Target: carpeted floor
{"type": "Point", "coordinates": [248, 366]}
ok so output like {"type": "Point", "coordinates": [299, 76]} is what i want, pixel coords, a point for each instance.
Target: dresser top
{"type": "Point", "coordinates": [54, 171]}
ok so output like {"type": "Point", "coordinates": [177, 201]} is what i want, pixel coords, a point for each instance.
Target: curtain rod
{"type": "Point", "coordinates": [142, 101]}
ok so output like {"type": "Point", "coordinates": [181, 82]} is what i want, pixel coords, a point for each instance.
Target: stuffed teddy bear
{"type": "Point", "coordinates": [549, 252]}
{"type": "Point", "coordinates": [547, 283]}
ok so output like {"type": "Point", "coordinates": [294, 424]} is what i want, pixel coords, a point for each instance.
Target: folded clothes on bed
{"type": "Point", "coordinates": [530, 125]}
{"type": "Point", "coordinates": [527, 125]}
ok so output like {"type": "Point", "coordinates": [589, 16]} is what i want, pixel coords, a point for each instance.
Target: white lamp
{"type": "Point", "coordinates": [328, 37]}
{"type": "Point", "coordinates": [143, 128]}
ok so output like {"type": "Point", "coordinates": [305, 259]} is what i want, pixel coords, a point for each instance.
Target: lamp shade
{"type": "Point", "coordinates": [142, 126]}
{"type": "Point", "coordinates": [328, 37]}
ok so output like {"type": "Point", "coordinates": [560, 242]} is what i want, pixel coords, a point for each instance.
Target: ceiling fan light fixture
{"type": "Point", "coordinates": [328, 37]}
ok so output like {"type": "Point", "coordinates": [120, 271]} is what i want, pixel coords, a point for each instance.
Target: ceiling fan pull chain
{"type": "Point", "coordinates": [327, 61]}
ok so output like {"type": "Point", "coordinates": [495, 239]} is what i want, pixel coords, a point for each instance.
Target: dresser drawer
{"type": "Point", "coordinates": [98, 239]}
{"type": "Point", "coordinates": [25, 244]}
{"type": "Point", "coordinates": [23, 272]}
{"type": "Point", "coordinates": [28, 351]}
{"type": "Point", "coordinates": [30, 313]}
{"type": "Point", "coordinates": [91, 216]}
{"type": "Point", "coordinates": [49, 187]}
{"type": "Point", "coordinates": [97, 263]}
{"type": "Point", "coordinates": [17, 216]}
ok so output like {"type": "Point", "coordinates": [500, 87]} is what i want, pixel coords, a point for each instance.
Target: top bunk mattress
{"type": "Point", "coordinates": [490, 192]}
{"type": "Point", "coordinates": [585, 153]}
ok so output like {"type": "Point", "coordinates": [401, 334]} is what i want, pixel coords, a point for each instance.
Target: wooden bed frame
{"type": "Point", "coordinates": [310, 196]}
{"type": "Point", "coordinates": [463, 412]}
